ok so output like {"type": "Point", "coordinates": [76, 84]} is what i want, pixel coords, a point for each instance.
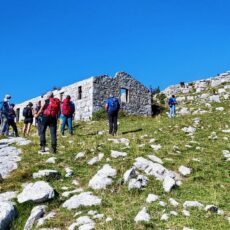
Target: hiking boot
{"type": "Point", "coordinates": [43, 149]}
{"type": "Point", "coordinates": [53, 150]}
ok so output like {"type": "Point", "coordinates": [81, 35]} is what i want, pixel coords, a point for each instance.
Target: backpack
{"type": "Point", "coordinates": [53, 107]}
{"type": "Point", "coordinates": [113, 104]}
{"type": "Point", "coordinates": [67, 107]}
{"type": "Point", "coordinates": [4, 107]}
{"type": "Point", "coordinates": [27, 112]}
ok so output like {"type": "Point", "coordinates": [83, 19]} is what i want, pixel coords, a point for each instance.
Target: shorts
{"type": "Point", "coordinates": [28, 121]}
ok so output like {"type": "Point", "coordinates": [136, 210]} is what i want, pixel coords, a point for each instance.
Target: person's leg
{"type": "Point", "coordinates": [14, 126]}
{"type": "Point", "coordinates": [170, 111]}
{"type": "Point", "coordinates": [115, 117]}
{"type": "Point", "coordinates": [39, 126]}
{"type": "Point", "coordinates": [5, 124]}
{"type": "Point", "coordinates": [43, 133]}
{"type": "Point", "coordinates": [53, 134]}
{"type": "Point", "coordinates": [28, 128]}
{"type": "Point", "coordinates": [174, 110]}
{"type": "Point", "coordinates": [110, 118]}
{"type": "Point", "coordinates": [70, 124]}
{"type": "Point", "coordinates": [24, 128]}
{"type": "Point", "coordinates": [64, 120]}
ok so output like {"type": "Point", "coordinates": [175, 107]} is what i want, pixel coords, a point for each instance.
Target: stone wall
{"type": "Point", "coordinates": [95, 91]}
{"type": "Point", "coordinates": [138, 98]}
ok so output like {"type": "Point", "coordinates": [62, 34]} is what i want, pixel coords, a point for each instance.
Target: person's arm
{"type": "Point", "coordinates": [41, 109]}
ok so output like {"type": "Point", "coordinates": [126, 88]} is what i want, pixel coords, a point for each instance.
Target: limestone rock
{"type": "Point", "coordinates": [155, 159]}
{"type": "Point", "coordinates": [151, 198]}
{"type": "Point", "coordinates": [36, 213]}
{"type": "Point", "coordinates": [68, 193]}
{"type": "Point", "coordinates": [47, 173]}
{"type": "Point", "coordinates": [173, 202]}
{"type": "Point", "coordinates": [211, 208]}
{"type": "Point", "coordinates": [214, 98]}
{"type": "Point", "coordinates": [8, 196]}
{"type": "Point", "coordinates": [184, 170]}
{"type": "Point", "coordinates": [116, 154]}
{"type": "Point", "coordinates": [96, 159]}
{"type": "Point", "coordinates": [39, 191]}
{"type": "Point", "coordinates": [80, 155]}
{"type": "Point", "coordinates": [129, 174]}
{"type": "Point", "coordinates": [51, 160]}
{"type": "Point", "coordinates": [191, 204]}
{"type": "Point", "coordinates": [168, 183]}
{"type": "Point", "coordinates": [138, 183]}
{"type": "Point", "coordinates": [69, 172]}
{"type": "Point", "coordinates": [102, 178]}
{"type": "Point", "coordinates": [142, 216]}
{"type": "Point", "coordinates": [83, 199]}
{"type": "Point", "coordinates": [42, 220]}
{"type": "Point", "coordinates": [7, 214]}
{"type": "Point", "coordinates": [156, 147]}
{"type": "Point", "coordinates": [165, 217]}
{"type": "Point", "coordinates": [123, 141]}
{"type": "Point", "coordinates": [189, 130]}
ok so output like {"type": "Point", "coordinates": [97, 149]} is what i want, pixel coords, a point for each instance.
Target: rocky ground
{"type": "Point", "coordinates": [161, 174]}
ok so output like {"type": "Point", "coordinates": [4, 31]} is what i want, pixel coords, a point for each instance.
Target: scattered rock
{"type": "Point", "coordinates": [151, 198]}
{"type": "Point", "coordinates": [184, 170]}
{"type": "Point", "coordinates": [173, 202]}
{"type": "Point", "coordinates": [129, 174]}
{"type": "Point", "coordinates": [189, 130]}
{"type": "Point", "coordinates": [7, 214]}
{"type": "Point", "coordinates": [80, 155]}
{"type": "Point", "coordinates": [36, 213]}
{"type": "Point", "coordinates": [49, 216]}
{"type": "Point", "coordinates": [162, 203]}
{"type": "Point", "coordinates": [68, 193]}
{"type": "Point", "coordinates": [168, 183]}
{"type": "Point", "coordinates": [155, 159]}
{"type": "Point", "coordinates": [156, 147]}
{"type": "Point", "coordinates": [123, 141]}
{"type": "Point", "coordinates": [102, 178]}
{"type": "Point", "coordinates": [8, 196]}
{"type": "Point", "coordinates": [38, 192]}
{"type": "Point", "coordinates": [220, 109]}
{"type": "Point", "coordinates": [69, 172]}
{"type": "Point", "coordinates": [211, 208]}
{"type": "Point", "coordinates": [83, 223]}
{"type": "Point", "coordinates": [47, 173]}
{"type": "Point", "coordinates": [138, 183]}
{"type": "Point", "coordinates": [142, 216]}
{"type": "Point", "coordinates": [96, 159]}
{"type": "Point", "coordinates": [165, 217]}
{"type": "Point", "coordinates": [51, 160]}
{"type": "Point", "coordinates": [116, 154]}
{"type": "Point", "coordinates": [108, 219]}
{"type": "Point", "coordinates": [85, 199]}
{"type": "Point", "coordinates": [186, 213]}
{"type": "Point", "coordinates": [192, 204]}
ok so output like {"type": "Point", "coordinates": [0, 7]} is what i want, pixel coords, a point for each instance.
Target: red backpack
{"type": "Point", "coordinates": [53, 108]}
{"type": "Point", "coordinates": [66, 107]}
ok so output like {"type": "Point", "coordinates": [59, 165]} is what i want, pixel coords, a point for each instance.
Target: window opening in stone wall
{"type": "Point", "coordinates": [124, 95]}
{"type": "Point", "coordinates": [61, 96]}
{"type": "Point", "coordinates": [17, 115]}
{"type": "Point", "coordinates": [79, 97]}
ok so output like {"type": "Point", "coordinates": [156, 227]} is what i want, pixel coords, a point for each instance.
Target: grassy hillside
{"type": "Point", "coordinates": [209, 182]}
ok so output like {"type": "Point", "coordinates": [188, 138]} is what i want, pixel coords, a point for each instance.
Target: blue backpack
{"type": "Point", "coordinates": [113, 105]}
{"type": "Point", "coordinates": [4, 107]}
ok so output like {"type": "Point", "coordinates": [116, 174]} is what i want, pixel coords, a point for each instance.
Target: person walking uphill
{"type": "Point", "coordinates": [112, 107]}
{"type": "Point", "coordinates": [4, 110]}
{"type": "Point", "coordinates": [67, 111]}
{"type": "Point", "coordinates": [28, 112]}
{"type": "Point", "coordinates": [172, 106]}
{"type": "Point", "coordinates": [50, 110]}
{"type": "Point", "coordinates": [11, 120]}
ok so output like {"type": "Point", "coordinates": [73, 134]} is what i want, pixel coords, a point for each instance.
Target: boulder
{"type": "Point", "coordinates": [85, 199]}
{"type": "Point", "coordinates": [8, 196]}
{"type": "Point", "coordinates": [142, 216]}
{"type": "Point", "coordinates": [7, 214]}
{"type": "Point", "coordinates": [38, 192]}
{"type": "Point", "coordinates": [47, 173]}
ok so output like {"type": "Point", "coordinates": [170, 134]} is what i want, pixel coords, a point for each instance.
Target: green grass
{"type": "Point", "coordinates": [208, 183]}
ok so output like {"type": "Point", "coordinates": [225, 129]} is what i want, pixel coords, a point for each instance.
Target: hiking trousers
{"type": "Point", "coordinates": [14, 126]}
{"type": "Point", "coordinates": [39, 126]}
{"type": "Point", "coordinates": [113, 122]}
{"type": "Point", "coordinates": [67, 120]}
{"type": "Point", "coordinates": [172, 111]}
{"type": "Point", "coordinates": [4, 124]}
{"type": "Point", "coordinates": [51, 122]}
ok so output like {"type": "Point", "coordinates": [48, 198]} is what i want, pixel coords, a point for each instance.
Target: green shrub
{"type": "Point", "coordinates": [99, 115]}
{"type": "Point", "coordinates": [161, 97]}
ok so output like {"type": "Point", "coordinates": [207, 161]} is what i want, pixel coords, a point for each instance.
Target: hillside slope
{"type": "Point", "coordinates": [153, 150]}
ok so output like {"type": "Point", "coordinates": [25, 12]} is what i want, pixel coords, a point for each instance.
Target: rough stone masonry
{"type": "Point", "coordinates": [90, 95]}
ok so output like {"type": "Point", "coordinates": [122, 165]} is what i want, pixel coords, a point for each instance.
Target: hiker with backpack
{"type": "Point", "coordinates": [11, 120]}
{"type": "Point", "coordinates": [112, 107]}
{"type": "Point", "coordinates": [4, 110]}
{"type": "Point", "coordinates": [172, 106]}
{"type": "Point", "coordinates": [49, 111]}
{"type": "Point", "coordinates": [67, 114]}
{"type": "Point", "coordinates": [28, 113]}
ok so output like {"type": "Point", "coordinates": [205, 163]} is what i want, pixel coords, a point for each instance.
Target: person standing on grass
{"type": "Point", "coordinates": [28, 112]}
{"type": "Point", "coordinates": [172, 106]}
{"type": "Point", "coordinates": [112, 107]}
{"type": "Point", "coordinates": [4, 110]}
{"type": "Point", "coordinates": [38, 120]}
{"type": "Point", "coordinates": [11, 120]}
{"type": "Point", "coordinates": [67, 115]}
{"type": "Point", "coordinates": [50, 111]}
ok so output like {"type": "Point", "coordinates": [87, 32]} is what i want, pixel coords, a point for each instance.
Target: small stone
{"type": "Point", "coordinates": [173, 202]}
{"type": "Point", "coordinates": [49, 216]}
{"type": "Point", "coordinates": [8, 196]}
{"type": "Point", "coordinates": [108, 219]}
{"type": "Point", "coordinates": [51, 160]}
{"type": "Point", "coordinates": [96, 159]}
{"type": "Point", "coordinates": [129, 174]}
{"type": "Point", "coordinates": [80, 155]}
{"type": "Point", "coordinates": [116, 154]}
{"type": "Point", "coordinates": [98, 216]}
{"type": "Point", "coordinates": [211, 208]}
{"type": "Point", "coordinates": [186, 213]}
{"type": "Point", "coordinates": [184, 170]}
{"type": "Point", "coordinates": [165, 217]}
{"type": "Point", "coordinates": [191, 204]}
{"type": "Point", "coordinates": [139, 183]}
{"type": "Point", "coordinates": [47, 173]}
{"type": "Point", "coordinates": [69, 172]}
{"type": "Point", "coordinates": [173, 213]}
{"type": "Point", "coordinates": [155, 159]}
{"type": "Point", "coordinates": [142, 216]}
{"type": "Point", "coordinates": [67, 194]}
{"type": "Point", "coordinates": [156, 147]}
{"type": "Point", "coordinates": [168, 183]}
{"type": "Point", "coordinates": [151, 198]}
{"type": "Point", "coordinates": [162, 203]}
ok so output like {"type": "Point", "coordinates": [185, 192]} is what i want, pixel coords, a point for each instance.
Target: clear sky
{"type": "Point", "coordinates": [47, 43]}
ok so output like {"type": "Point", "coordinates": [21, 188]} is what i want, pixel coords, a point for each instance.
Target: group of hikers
{"type": "Point", "coordinates": [47, 112]}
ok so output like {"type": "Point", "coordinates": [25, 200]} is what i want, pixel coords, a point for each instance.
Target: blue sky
{"type": "Point", "coordinates": [49, 43]}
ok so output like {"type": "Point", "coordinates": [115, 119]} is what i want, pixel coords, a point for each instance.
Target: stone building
{"type": "Point", "coordinates": [90, 95]}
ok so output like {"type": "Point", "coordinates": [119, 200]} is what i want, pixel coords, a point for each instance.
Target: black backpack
{"type": "Point", "coordinates": [27, 112]}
